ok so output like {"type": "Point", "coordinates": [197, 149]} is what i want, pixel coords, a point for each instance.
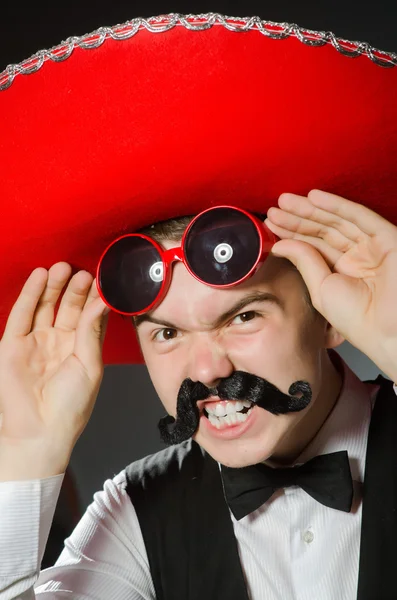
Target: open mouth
{"type": "Point", "coordinates": [227, 413]}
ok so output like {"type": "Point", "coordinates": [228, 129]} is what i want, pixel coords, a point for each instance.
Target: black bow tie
{"type": "Point", "coordinates": [327, 478]}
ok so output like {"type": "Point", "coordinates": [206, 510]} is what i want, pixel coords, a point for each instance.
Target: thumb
{"type": "Point", "coordinates": [90, 335]}
{"type": "Point", "coordinates": [310, 264]}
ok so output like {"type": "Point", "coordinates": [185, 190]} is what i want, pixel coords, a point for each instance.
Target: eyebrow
{"type": "Point", "coordinates": [237, 307]}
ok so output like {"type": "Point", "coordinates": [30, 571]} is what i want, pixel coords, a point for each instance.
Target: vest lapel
{"type": "Point", "coordinates": [186, 525]}
{"type": "Point", "coordinates": [378, 549]}
{"type": "Point", "coordinates": [215, 566]}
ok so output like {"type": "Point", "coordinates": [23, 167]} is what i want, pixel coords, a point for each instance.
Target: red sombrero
{"type": "Point", "coordinates": [167, 116]}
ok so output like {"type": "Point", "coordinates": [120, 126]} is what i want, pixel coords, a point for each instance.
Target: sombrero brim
{"type": "Point", "coordinates": [177, 115]}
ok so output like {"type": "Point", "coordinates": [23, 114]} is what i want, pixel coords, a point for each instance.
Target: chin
{"type": "Point", "coordinates": [236, 455]}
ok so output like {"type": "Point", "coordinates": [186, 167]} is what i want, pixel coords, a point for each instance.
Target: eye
{"type": "Point", "coordinates": [245, 317]}
{"type": "Point", "coordinates": [165, 335]}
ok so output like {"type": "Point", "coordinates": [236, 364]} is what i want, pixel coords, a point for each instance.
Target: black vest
{"type": "Point", "coordinates": [188, 533]}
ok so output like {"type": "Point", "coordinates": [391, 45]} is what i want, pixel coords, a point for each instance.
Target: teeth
{"type": "Point", "coordinates": [240, 417]}
{"type": "Point", "coordinates": [231, 407]}
{"type": "Point", "coordinates": [214, 421]}
{"type": "Point", "coordinates": [220, 410]}
{"type": "Point", "coordinates": [228, 420]}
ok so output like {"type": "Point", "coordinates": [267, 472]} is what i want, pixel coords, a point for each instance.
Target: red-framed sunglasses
{"type": "Point", "coordinates": [221, 247]}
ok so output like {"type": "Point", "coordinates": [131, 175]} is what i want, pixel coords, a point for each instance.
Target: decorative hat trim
{"type": "Point", "coordinates": [195, 23]}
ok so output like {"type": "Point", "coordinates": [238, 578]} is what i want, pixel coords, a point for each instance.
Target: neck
{"type": "Point", "coordinates": [307, 428]}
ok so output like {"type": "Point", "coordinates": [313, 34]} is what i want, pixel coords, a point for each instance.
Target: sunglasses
{"type": "Point", "coordinates": [221, 247]}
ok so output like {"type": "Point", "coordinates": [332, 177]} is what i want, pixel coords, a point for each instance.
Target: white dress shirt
{"type": "Point", "coordinates": [292, 548]}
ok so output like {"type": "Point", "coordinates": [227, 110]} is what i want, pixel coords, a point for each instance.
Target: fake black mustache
{"type": "Point", "coordinates": [239, 386]}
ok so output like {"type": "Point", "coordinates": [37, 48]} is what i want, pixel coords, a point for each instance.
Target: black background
{"type": "Point", "coordinates": [26, 27]}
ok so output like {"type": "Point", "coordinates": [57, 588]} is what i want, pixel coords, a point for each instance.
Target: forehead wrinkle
{"type": "Point", "coordinates": [199, 308]}
{"type": "Point", "coordinates": [187, 299]}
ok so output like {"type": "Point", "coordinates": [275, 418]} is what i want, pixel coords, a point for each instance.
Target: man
{"type": "Point", "coordinates": [178, 525]}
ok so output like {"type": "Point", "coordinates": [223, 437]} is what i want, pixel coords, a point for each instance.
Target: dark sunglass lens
{"type": "Point", "coordinates": [131, 274]}
{"type": "Point", "coordinates": [222, 246]}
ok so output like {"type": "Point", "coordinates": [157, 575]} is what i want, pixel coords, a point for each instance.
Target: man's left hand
{"type": "Point", "coordinates": [347, 256]}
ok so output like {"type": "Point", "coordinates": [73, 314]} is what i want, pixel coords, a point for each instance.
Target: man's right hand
{"type": "Point", "coordinates": [50, 372]}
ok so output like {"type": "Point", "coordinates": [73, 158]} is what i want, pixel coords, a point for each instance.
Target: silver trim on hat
{"type": "Point", "coordinates": [199, 22]}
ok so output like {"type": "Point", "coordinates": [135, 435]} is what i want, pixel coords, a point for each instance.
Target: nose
{"type": "Point", "coordinates": [208, 361]}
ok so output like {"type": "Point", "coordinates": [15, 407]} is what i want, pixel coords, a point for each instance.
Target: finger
{"type": "Point", "coordinates": [330, 255]}
{"type": "Point", "coordinates": [58, 275]}
{"type": "Point", "coordinates": [364, 218]}
{"type": "Point", "coordinates": [21, 316]}
{"type": "Point", "coordinates": [90, 334]}
{"type": "Point", "coordinates": [73, 301]}
{"type": "Point", "coordinates": [93, 294]}
{"type": "Point", "coordinates": [310, 264]}
{"type": "Point", "coordinates": [299, 225]}
{"type": "Point", "coordinates": [304, 208]}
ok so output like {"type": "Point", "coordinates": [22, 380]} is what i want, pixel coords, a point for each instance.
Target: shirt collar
{"type": "Point", "coordinates": [346, 427]}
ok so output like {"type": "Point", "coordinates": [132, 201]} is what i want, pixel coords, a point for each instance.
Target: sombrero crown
{"type": "Point", "coordinates": [167, 116]}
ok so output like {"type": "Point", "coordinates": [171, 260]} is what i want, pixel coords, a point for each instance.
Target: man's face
{"type": "Point", "coordinates": [206, 334]}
